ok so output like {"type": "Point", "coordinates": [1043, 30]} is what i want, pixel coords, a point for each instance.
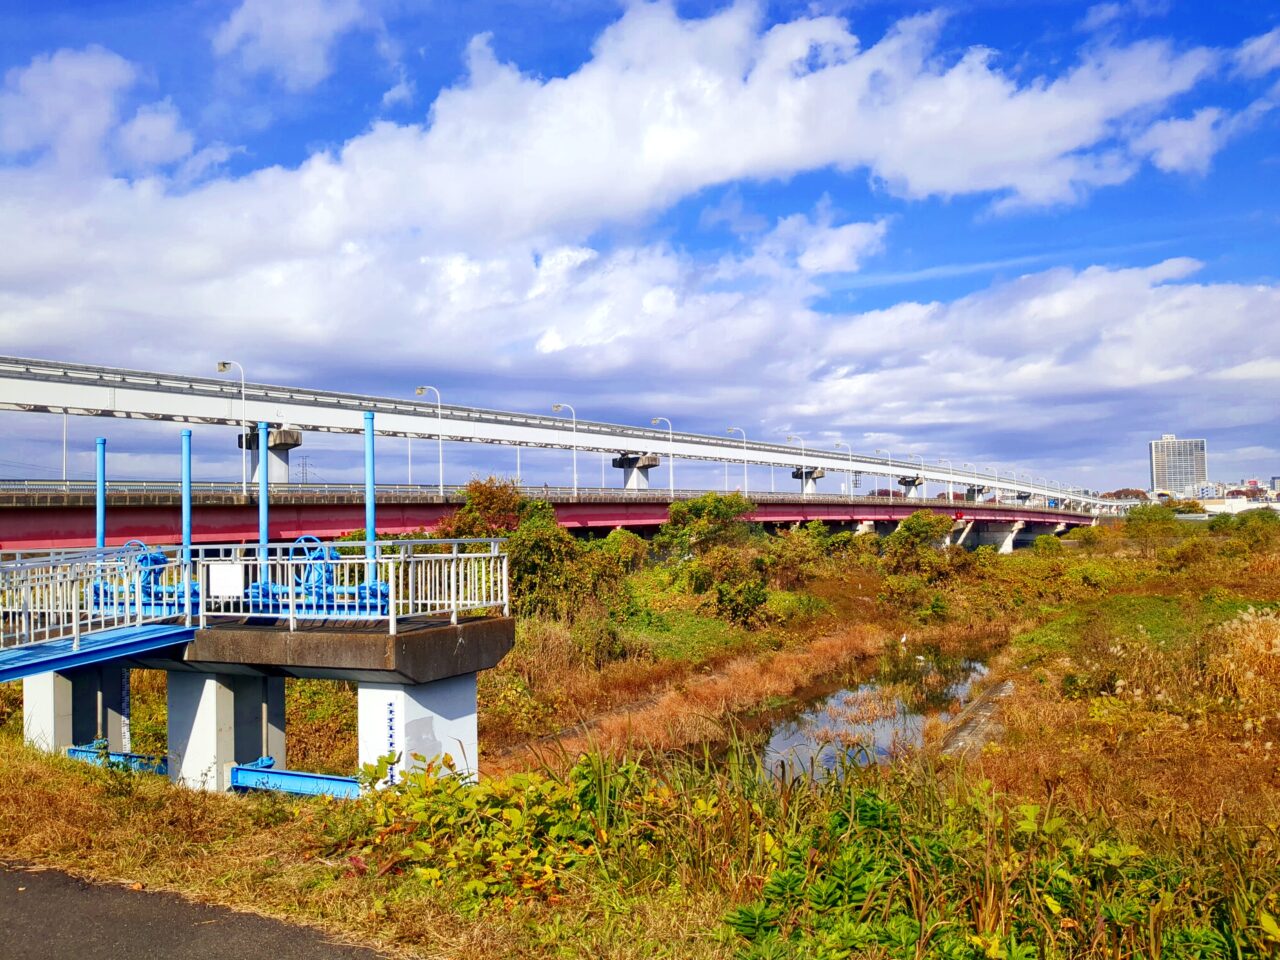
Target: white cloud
{"type": "Point", "coordinates": [1260, 55]}
{"type": "Point", "coordinates": [292, 40]}
{"type": "Point", "coordinates": [465, 242]}
{"type": "Point", "coordinates": [154, 136]}
{"type": "Point", "coordinates": [63, 105]}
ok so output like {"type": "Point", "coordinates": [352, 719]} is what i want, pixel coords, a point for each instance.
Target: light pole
{"type": "Point", "coordinates": [923, 482]}
{"type": "Point", "coordinates": [556, 408]}
{"type": "Point", "coordinates": [841, 443]}
{"type": "Point", "coordinates": [804, 485]}
{"type": "Point", "coordinates": [1044, 496]}
{"type": "Point", "coordinates": [439, 437]}
{"type": "Point", "coordinates": [744, 455]}
{"type": "Point", "coordinates": [889, 458]}
{"type": "Point", "coordinates": [223, 367]}
{"type": "Point", "coordinates": [64, 446]}
{"type": "Point", "coordinates": [951, 476]}
{"type": "Point", "coordinates": [671, 454]}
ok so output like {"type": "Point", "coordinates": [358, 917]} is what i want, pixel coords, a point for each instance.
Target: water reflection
{"type": "Point", "coordinates": [876, 720]}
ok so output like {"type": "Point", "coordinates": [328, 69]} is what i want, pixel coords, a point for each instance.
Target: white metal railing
{"type": "Point", "coordinates": [68, 595]}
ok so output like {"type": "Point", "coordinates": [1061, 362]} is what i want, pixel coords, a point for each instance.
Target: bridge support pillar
{"type": "Point", "coordinates": [259, 719]}
{"type": "Point", "coordinates": [216, 720]}
{"type": "Point", "coordinates": [964, 528]}
{"type": "Point", "coordinates": [1000, 535]}
{"type": "Point", "coordinates": [635, 469]}
{"type": "Point", "coordinates": [202, 729]}
{"type": "Point", "coordinates": [866, 526]}
{"type": "Point", "coordinates": [74, 708]}
{"type": "Point", "coordinates": [426, 719]}
{"type": "Point", "coordinates": [808, 477]}
{"type": "Point", "coordinates": [279, 442]}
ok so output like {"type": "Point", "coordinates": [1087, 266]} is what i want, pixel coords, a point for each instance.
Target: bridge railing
{"type": "Point", "coordinates": [347, 581]}
{"type": "Point", "coordinates": [71, 594]}
{"type": "Point", "coordinates": [65, 595]}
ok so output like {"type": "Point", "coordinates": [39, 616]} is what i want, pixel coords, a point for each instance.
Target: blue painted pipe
{"type": "Point", "coordinates": [260, 775]}
{"type": "Point", "coordinates": [186, 496]}
{"type": "Point", "coordinates": [264, 496]}
{"type": "Point", "coordinates": [370, 492]}
{"type": "Point", "coordinates": [100, 494]}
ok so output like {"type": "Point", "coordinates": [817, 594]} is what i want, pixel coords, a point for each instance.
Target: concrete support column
{"type": "Point", "coordinates": [635, 469]}
{"type": "Point", "coordinates": [965, 528]}
{"type": "Point", "coordinates": [279, 442]}
{"type": "Point", "coordinates": [74, 708]}
{"type": "Point", "coordinates": [202, 729]}
{"type": "Point", "coordinates": [866, 526]}
{"type": "Point", "coordinates": [217, 720]}
{"type": "Point", "coordinates": [259, 719]}
{"type": "Point", "coordinates": [423, 720]}
{"type": "Point", "coordinates": [808, 477]}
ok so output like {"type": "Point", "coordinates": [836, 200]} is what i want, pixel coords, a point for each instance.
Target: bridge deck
{"type": "Point", "coordinates": [98, 647]}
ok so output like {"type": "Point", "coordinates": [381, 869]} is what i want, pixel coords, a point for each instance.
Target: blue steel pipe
{"type": "Point", "coordinates": [264, 496]}
{"type": "Point", "coordinates": [100, 494]}
{"type": "Point", "coordinates": [370, 493]}
{"type": "Point", "coordinates": [186, 496]}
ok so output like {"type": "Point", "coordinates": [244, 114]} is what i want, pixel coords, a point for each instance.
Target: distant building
{"type": "Point", "coordinates": [1178, 465]}
{"type": "Point", "coordinates": [1275, 484]}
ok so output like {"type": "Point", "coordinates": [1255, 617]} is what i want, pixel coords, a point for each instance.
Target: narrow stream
{"type": "Point", "coordinates": [878, 719]}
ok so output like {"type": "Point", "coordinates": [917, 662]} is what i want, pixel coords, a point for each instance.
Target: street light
{"type": "Point", "coordinates": [223, 367]}
{"type": "Point", "coordinates": [744, 456]}
{"type": "Point", "coordinates": [439, 438]}
{"type": "Point", "coordinates": [951, 469]}
{"type": "Point", "coordinates": [888, 457]}
{"type": "Point", "coordinates": [804, 486]}
{"type": "Point", "coordinates": [923, 482]}
{"type": "Point", "coordinates": [671, 453]}
{"type": "Point", "coordinates": [556, 408]}
{"type": "Point", "coordinates": [841, 443]}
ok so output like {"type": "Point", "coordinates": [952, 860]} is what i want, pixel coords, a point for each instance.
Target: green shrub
{"type": "Point", "coordinates": [1047, 545]}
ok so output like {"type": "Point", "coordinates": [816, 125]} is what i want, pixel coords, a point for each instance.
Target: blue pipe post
{"type": "Point", "coordinates": [186, 496]}
{"type": "Point", "coordinates": [100, 494]}
{"type": "Point", "coordinates": [264, 496]}
{"type": "Point", "coordinates": [370, 501]}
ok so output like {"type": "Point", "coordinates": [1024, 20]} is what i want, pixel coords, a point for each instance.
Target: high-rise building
{"type": "Point", "coordinates": [1177, 465]}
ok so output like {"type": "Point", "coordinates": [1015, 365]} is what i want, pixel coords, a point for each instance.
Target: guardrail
{"type": "Point", "coordinates": [63, 595]}
{"type": "Point", "coordinates": [455, 493]}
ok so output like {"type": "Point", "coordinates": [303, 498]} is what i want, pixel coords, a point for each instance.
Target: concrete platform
{"type": "Point", "coordinates": [422, 651]}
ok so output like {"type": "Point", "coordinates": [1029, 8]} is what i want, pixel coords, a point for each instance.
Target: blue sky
{"type": "Point", "coordinates": [1033, 234]}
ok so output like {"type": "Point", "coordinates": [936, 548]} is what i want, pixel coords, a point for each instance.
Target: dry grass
{"type": "Point", "coordinates": [698, 709]}
{"type": "Point", "coordinates": [263, 854]}
{"type": "Point", "coordinates": [1184, 734]}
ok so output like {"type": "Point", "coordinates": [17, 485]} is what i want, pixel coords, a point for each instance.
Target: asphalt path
{"type": "Point", "coordinates": [47, 915]}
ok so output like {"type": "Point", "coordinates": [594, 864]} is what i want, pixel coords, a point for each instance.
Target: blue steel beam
{"type": "Point", "coordinates": [260, 775]}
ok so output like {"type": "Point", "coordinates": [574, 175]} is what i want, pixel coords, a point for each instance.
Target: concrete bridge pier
{"type": "Point", "coordinates": [866, 526]}
{"type": "Point", "coordinates": [960, 533]}
{"type": "Point", "coordinates": [279, 442]}
{"type": "Point", "coordinates": [217, 720]}
{"type": "Point", "coordinates": [912, 486]}
{"type": "Point", "coordinates": [808, 477]}
{"type": "Point", "coordinates": [1000, 534]}
{"type": "Point", "coordinates": [635, 469]}
{"type": "Point", "coordinates": [75, 708]}
{"type": "Point", "coordinates": [419, 722]}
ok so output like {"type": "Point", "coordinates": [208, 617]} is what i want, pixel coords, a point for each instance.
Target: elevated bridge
{"type": "Point", "coordinates": [46, 386]}
{"type": "Point", "coordinates": [55, 514]}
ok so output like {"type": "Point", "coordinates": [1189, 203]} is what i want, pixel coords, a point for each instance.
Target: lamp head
{"type": "Point", "coordinates": [654, 421]}
{"type": "Point", "coordinates": [420, 391]}
{"type": "Point", "coordinates": [557, 407]}
{"type": "Point", "coordinates": [224, 366]}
